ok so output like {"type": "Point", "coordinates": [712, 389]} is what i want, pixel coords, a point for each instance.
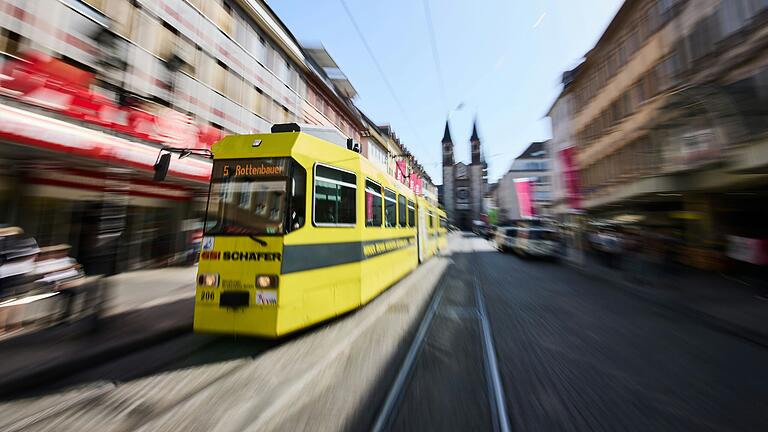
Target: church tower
{"type": "Point", "coordinates": [448, 174]}
{"type": "Point", "coordinates": [476, 170]}
{"type": "Point", "coordinates": [474, 140]}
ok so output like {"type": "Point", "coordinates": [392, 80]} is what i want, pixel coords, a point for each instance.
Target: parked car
{"type": "Point", "coordinates": [505, 238]}
{"type": "Point", "coordinates": [538, 242]}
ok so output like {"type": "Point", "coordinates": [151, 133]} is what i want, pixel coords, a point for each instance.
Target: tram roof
{"type": "Point", "coordinates": [302, 145]}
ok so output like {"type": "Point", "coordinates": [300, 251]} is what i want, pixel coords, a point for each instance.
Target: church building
{"type": "Point", "coordinates": [464, 186]}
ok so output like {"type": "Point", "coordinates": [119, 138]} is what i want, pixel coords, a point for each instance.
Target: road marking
{"type": "Point", "coordinates": [495, 391]}
{"type": "Point", "coordinates": [396, 391]}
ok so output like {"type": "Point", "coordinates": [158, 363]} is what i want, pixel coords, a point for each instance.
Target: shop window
{"type": "Point", "coordinates": [372, 204]}
{"type": "Point", "coordinates": [334, 197]}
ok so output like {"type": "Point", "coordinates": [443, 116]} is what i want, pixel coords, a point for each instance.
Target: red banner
{"type": "Point", "coordinates": [400, 172]}
{"type": "Point", "coordinates": [571, 177]}
{"type": "Point", "coordinates": [523, 191]}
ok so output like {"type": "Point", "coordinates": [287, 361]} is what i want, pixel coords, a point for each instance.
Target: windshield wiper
{"type": "Point", "coordinates": [257, 240]}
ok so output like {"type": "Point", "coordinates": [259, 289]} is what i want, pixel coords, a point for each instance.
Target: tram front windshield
{"type": "Point", "coordinates": [248, 197]}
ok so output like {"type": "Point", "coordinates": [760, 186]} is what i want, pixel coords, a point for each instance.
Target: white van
{"type": "Point", "coordinates": [505, 238]}
{"type": "Point", "coordinates": [538, 242]}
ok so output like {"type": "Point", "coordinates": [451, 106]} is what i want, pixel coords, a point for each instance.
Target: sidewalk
{"type": "Point", "coordinates": [736, 304]}
{"type": "Point", "coordinates": [145, 307]}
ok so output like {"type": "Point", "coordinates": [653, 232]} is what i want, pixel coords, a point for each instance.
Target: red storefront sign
{"type": "Point", "coordinates": [41, 80]}
{"type": "Point", "coordinates": [45, 132]}
{"type": "Point", "coordinates": [571, 177]}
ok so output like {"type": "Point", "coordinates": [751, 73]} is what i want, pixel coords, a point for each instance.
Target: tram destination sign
{"type": "Point", "coordinates": [250, 168]}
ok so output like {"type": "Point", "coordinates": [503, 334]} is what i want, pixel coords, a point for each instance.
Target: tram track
{"type": "Point", "coordinates": [391, 407]}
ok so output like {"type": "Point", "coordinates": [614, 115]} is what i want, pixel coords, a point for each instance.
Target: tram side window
{"type": "Point", "coordinates": [411, 214]}
{"type": "Point", "coordinates": [443, 223]}
{"type": "Point", "coordinates": [402, 209]}
{"type": "Point", "coordinates": [390, 208]}
{"type": "Point", "coordinates": [430, 217]}
{"type": "Point", "coordinates": [372, 204]}
{"type": "Point", "coordinates": [335, 192]}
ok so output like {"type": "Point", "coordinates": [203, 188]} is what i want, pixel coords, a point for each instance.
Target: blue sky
{"type": "Point", "coordinates": [501, 58]}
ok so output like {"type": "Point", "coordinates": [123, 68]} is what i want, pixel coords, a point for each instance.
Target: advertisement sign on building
{"type": "Point", "coordinates": [523, 192]}
{"type": "Point", "coordinates": [571, 177]}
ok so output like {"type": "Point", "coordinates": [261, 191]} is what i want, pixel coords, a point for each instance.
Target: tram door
{"type": "Point", "coordinates": [423, 235]}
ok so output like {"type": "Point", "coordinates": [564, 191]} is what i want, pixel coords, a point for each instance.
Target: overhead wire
{"type": "Point", "coordinates": [380, 69]}
{"type": "Point", "coordinates": [435, 53]}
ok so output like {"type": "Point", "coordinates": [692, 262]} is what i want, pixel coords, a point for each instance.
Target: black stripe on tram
{"type": "Point", "coordinates": [298, 258]}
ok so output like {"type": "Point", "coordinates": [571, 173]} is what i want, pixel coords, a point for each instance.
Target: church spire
{"type": "Point", "coordinates": [447, 146]}
{"type": "Point", "coordinates": [447, 134]}
{"type": "Point", "coordinates": [475, 142]}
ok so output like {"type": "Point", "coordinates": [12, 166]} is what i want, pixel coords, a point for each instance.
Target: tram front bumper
{"type": "Point", "coordinates": [261, 321]}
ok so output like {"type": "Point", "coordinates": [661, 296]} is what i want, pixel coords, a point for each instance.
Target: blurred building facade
{"type": "Point", "coordinates": [667, 115]}
{"type": "Point", "coordinates": [533, 168]}
{"type": "Point", "coordinates": [91, 89]}
{"type": "Point", "coordinates": [464, 186]}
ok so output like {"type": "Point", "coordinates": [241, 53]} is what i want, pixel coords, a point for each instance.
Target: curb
{"type": "Point", "coordinates": [37, 375]}
{"type": "Point", "coordinates": [709, 320]}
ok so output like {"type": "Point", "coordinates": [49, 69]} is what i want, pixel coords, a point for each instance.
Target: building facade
{"type": "Point", "coordinates": [464, 186]}
{"type": "Point", "coordinates": [92, 89]}
{"type": "Point", "coordinates": [533, 168]}
{"type": "Point", "coordinates": [669, 123]}
{"type": "Point", "coordinates": [561, 150]}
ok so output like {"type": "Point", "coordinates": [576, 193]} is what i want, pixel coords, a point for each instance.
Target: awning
{"type": "Point", "coordinates": [48, 133]}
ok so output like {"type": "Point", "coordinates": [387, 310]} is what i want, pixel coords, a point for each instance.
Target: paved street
{"type": "Point", "coordinates": [576, 353]}
{"type": "Point", "coordinates": [572, 353]}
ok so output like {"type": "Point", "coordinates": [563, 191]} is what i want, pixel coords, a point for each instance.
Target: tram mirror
{"type": "Point", "coordinates": [161, 167]}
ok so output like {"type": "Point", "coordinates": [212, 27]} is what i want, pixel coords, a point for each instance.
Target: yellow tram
{"type": "Point", "coordinates": [299, 230]}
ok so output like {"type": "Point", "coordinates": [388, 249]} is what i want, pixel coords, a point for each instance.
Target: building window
{"type": "Point", "coordinates": [411, 214]}
{"type": "Point", "coordinates": [402, 215]}
{"type": "Point", "coordinates": [334, 197]}
{"type": "Point", "coordinates": [11, 42]}
{"type": "Point", "coordinates": [257, 103]}
{"type": "Point", "coordinates": [390, 208]}
{"type": "Point", "coordinates": [234, 87]}
{"type": "Point", "coordinates": [219, 79]}
{"type": "Point", "coordinates": [372, 204]}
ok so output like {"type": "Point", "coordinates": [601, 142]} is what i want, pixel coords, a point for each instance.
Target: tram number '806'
{"type": "Point", "coordinates": [206, 296]}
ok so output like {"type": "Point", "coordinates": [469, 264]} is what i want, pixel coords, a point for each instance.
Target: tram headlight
{"type": "Point", "coordinates": [266, 281]}
{"type": "Point", "coordinates": [208, 279]}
